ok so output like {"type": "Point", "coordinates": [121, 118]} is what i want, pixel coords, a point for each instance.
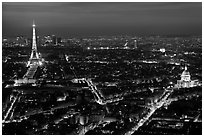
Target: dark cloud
{"type": "Point", "coordinates": [102, 18]}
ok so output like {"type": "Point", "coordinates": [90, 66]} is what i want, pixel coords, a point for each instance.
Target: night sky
{"type": "Point", "coordinates": [81, 19]}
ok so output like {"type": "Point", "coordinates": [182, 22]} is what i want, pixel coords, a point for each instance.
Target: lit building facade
{"type": "Point", "coordinates": [186, 81]}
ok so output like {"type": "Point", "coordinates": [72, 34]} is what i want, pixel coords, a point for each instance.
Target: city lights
{"type": "Point", "coordinates": [102, 69]}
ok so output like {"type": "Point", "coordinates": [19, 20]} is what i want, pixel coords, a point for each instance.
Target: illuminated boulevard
{"type": "Point", "coordinates": [152, 108]}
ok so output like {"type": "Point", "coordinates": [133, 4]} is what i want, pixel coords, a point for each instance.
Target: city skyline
{"type": "Point", "coordinates": [126, 90]}
{"type": "Point", "coordinates": [96, 18]}
{"type": "Point", "coordinates": [71, 81]}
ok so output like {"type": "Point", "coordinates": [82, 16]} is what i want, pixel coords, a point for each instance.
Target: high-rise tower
{"type": "Point", "coordinates": [34, 57]}
{"type": "Point", "coordinates": [135, 44]}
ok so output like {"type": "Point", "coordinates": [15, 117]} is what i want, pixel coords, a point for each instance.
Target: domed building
{"type": "Point", "coordinates": [186, 81]}
{"type": "Point", "coordinates": [185, 76]}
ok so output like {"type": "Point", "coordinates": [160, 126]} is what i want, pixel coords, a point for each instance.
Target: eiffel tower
{"type": "Point", "coordinates": [34, 57]}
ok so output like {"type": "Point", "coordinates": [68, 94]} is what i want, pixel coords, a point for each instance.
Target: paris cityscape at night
{"type": "Point", "coordinates": [79, 68]}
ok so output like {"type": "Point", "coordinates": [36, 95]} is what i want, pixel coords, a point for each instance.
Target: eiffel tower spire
{"type": "Point", "coordinates": [34, 46]}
